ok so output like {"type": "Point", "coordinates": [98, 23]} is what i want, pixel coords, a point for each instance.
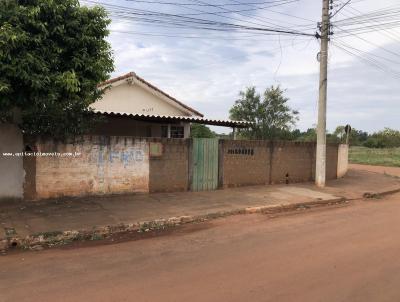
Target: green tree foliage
{"type": "Point", "coordinates": [270, 114]}
{"type": "Point", "coordinates": [357, 137]}
{"type": "Point", "coordinates": [387, 138]}
{"type": "Point", "coordinates": [308, 136]}
{"type": "Point", "coordinates": [199, 130]}
{"type": "Point", "coordinates": [53, 53]}
{"type": "Point", "coordinates": [311, 136]}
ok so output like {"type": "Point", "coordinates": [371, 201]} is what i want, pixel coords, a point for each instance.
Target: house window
{"type": "Point", "coordinates": [164, 131]}
{"type": "Point", "coordinates": [177, 132]}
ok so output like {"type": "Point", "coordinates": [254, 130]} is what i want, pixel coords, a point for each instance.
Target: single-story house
{"type": "Point", "coordinates": [134, 107]}
{"type": "Point", "coordinates": [142, 147]}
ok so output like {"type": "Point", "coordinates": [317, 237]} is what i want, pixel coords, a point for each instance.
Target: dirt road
{"type": "Point", "coordinates": [348, 253]}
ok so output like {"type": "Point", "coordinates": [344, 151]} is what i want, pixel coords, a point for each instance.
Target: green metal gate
{"type": "Point", "coordinates": [204, 164]}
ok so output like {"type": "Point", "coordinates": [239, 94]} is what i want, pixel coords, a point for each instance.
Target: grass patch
{"type": "Point", "coordinates": [371, 156]}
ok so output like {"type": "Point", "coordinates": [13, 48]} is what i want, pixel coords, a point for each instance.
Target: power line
{"type": "Point", "coordinates": [379, 26]}
{"type": "Point", "coordinates": [289, 15]}
{"type": "Point", "coordinates": [194, 4]}
{"type": "Point", "coordinates": [372, 43]}
{"type": "Point", "coordinates": [368, 61]}
{"type": "Point", "coordinates": [241, 14]}
{"type": "Point", "coordinates": [196, 36]}
{"type": "Point", "coordinates": [229, 11]}
{"type": "Point", "coordinates": [181, 21]}
{"type": "Point", "coordinates": [366, 53]}
{"type": "Point", "coordinates": [343, 6]}
{"type": "Point", "coordinates": [203, 12]}
{"type": "Point", "coordinates": [385, 14]}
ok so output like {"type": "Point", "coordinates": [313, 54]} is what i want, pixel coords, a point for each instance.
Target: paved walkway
{"type": "Point", "coordinates": [28, 218]}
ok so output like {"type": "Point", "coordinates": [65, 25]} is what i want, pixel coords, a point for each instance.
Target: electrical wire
{"type": "Point", "coordinates": [367, 61]}
{"type": "Point", "coordinates": [186, 22]}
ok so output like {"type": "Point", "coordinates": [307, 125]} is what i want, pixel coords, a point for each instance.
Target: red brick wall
{"type": "Point", "coordinates": [104, 165]}
{"type": "Point", "coordinates": [244, 163]}
{"type": "Point", "coordinates": [295, 159]}
{"type": "Point", "coordinates": [108, 165]}
{"type": "Point", "coordinates": [169, 172]}
{"type": "Point", "coordinates": [332, 157]}
{"type": "Point", "coordinates": [271, 162]}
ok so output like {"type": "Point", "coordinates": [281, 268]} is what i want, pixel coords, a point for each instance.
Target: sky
{"type": "Point", "coordinates": [207, 70]}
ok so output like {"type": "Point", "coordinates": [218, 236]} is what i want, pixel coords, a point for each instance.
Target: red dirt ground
{"type": "Point", "coordinates": [394, 171]}
{"type": "Point", "coordinates": [346, 253]}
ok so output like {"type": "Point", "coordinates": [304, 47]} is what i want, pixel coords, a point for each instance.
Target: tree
{"type": "Point", "coordinates": [271, 116]}
{"type": "Point", "coordinates": [386, 138]}
{"type": "Point", "coordinates": [53, 53]}
{"type": "Point", "coordinates": [374, 142]}
{"type": "Point", "coordinates": [199, 130]}
{"type": "Point", "coordinates": [308, 136]}
{"type": "Point", "coordinates": [356, 138]}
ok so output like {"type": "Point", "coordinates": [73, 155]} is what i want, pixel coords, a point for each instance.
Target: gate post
{"type": "Point", "coordinates": [189, 142]}
{"type": "Point", "coordinates": [221, 163]}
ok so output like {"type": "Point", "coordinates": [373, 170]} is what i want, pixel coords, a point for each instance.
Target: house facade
{"type": "Point", "coordinates": [133, 106]}
{"type": "Point", "coordinates": [136, 119]}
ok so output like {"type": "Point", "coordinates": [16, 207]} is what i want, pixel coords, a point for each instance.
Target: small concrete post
{"type": "Point", "coordinates": [347, 129]}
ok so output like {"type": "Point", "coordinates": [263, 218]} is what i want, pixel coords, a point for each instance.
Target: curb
{"type": "Point", "coordinates": [380, 194]}
{"type": "Point", "coordinates": [9, 238]}
{"type": "Point", "coordinates": [43, 240]}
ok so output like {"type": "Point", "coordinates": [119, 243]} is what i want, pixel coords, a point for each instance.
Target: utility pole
{"type": "Point", "coordinates": [320, 166]}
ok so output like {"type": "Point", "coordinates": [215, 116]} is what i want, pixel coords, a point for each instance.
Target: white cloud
{"type": "Point", "coordinates": [208, 73]}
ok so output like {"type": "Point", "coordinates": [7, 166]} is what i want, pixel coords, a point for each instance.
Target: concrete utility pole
{"type": "Point", "coordinates": [320, 166]}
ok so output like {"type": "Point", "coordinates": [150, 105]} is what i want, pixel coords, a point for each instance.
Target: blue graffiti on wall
{"type": "Point", "coordinates": [127, 157]}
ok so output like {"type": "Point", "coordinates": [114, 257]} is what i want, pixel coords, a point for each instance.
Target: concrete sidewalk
{"type": "Point", "coordinates": [53, 222]}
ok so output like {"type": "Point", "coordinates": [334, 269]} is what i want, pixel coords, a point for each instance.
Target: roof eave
{"type": "Point", "coordinates": [188, 119]}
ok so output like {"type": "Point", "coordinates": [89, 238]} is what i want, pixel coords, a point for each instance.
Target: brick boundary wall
{"type": "Point", "coordinates": [115, 165]}
{"type": "Point", "coordinates": [332, 155]}
{"type": "Point", "coordinates": [244, 163]}
{"type": "Point", "coordinates": [266, 162]}
{"type": "Point", "coordinates": [292, 162]}
{"type": "Point", "coordinates": [100, 165]}
{"type": "Point", "coordinates": [169, 172]}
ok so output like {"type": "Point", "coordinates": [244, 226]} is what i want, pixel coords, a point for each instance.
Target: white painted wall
{"type": "Point", "coordinates": [343, 160]}
{"type": "Point", "coordinates": [134, 99]}
{"type": "Point", "coordinates": [11, 167]}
